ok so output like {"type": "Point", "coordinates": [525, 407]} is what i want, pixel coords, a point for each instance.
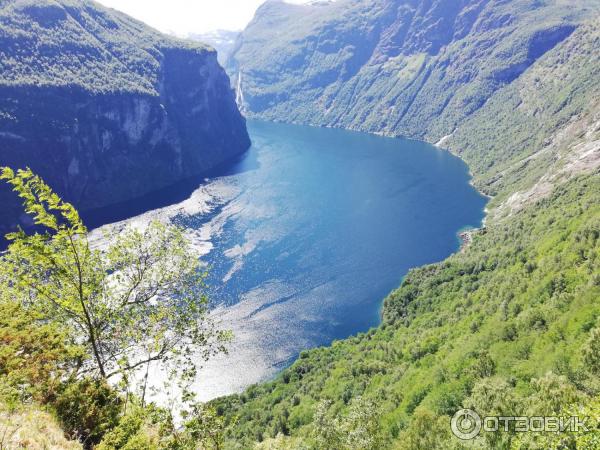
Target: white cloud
{"type": "Point", "coordinates": [190, 16]}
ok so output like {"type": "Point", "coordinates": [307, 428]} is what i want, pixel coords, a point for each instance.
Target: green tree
{"type": "Point", "coordinates": [494, 396]}
{"type": "Point", "coordinates": [591, 352]}
{"type": "Point", "coordinates": [426, 431]}
{"type": "Point", "coordinates": [206, 427]}
{"type": "Point", "coordinates": [326, 429]}
{"type": "Point", "coordinates": [138, 300]}
{"type": "Point", "coordinates": [35, 356]}
{"type": "Point", "coordinates": [551, 393]}
{"type": "Point", "coordinates": [357, 430]}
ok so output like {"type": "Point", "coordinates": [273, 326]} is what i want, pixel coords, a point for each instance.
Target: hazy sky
{"type": "Point", "coordinates": [187, 16]}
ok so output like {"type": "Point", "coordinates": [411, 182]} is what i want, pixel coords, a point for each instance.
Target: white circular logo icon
{"type": "Point", "coordinates": [466, 424]}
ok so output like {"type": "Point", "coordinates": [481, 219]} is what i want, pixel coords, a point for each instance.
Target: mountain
{"type": "Point", "coordinates": [509, 326]}
{"type": "Point", "coordinates": [223, 41]}
{"type": "Point", "coordinates": [397, 67]}
{"type": "Point", "coordinates": [105, 108]}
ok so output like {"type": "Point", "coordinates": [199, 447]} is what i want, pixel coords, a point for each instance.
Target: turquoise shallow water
{"type": "Point", "coordinates": [308, 232]}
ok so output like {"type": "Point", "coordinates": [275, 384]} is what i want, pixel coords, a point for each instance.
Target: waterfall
{"type": "Point", "coordinates": [239, 97]}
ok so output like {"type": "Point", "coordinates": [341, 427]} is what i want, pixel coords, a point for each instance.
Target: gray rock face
{"type": "Point", "coordinates": [106, 109]}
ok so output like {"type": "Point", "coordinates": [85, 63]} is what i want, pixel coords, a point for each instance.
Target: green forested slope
{"type": "Point", "coordinates": [81, 43]}
{"type": "Point", "coordinates": [512, 314]}
{"type": "Point", "coordinates": [530, 127]}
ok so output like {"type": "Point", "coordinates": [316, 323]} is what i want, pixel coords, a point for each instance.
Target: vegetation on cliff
{"type": "Point", "coordinates": [50, 43]}
{"type": "Point", "coordinates": [399, 67]}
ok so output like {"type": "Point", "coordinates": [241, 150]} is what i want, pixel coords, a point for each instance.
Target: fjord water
{"type": "Point", "coordinates": [311, 230]}
{"type": "Point", "coordinates": [306, 234]}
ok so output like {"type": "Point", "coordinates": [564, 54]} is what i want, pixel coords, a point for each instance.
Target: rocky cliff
{"type": "Point", "coordinates": [105, 108]}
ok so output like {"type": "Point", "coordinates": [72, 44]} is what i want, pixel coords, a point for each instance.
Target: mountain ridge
{"type": "Point", "coordinates": [105, 108]}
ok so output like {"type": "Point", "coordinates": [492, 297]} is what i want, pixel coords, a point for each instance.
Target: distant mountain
{"type": "Point", "coordinates": [105, 108]}
{"type": "Point", "coordinates": [222, 41]}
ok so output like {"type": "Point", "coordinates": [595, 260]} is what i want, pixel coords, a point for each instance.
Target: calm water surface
{"type": "Point", "coordinates": [311, 230]}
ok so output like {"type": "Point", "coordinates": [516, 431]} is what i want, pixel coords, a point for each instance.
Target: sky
{"type": "Point", "coordinates": [182, 17]}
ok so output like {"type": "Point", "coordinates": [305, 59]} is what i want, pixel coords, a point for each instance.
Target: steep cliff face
{"type": "Point", "coordinates": [105, 108]}
{"type": "Point", "coordinates": [399, 67]}
{"type": "Point", "coordinates": [541, 129]}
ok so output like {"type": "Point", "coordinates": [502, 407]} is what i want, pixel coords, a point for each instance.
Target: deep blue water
{"type": "Point", "coordinates": [309, 231]}
{"type": "Point", "coordinates": [323, 224]}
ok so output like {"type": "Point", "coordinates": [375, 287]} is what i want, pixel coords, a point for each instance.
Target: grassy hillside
{"type": "Point", "coordinates": [32, 429]}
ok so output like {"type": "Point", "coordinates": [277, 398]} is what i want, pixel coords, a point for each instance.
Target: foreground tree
{"type": "Point", "coordinates": [138, 300]}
